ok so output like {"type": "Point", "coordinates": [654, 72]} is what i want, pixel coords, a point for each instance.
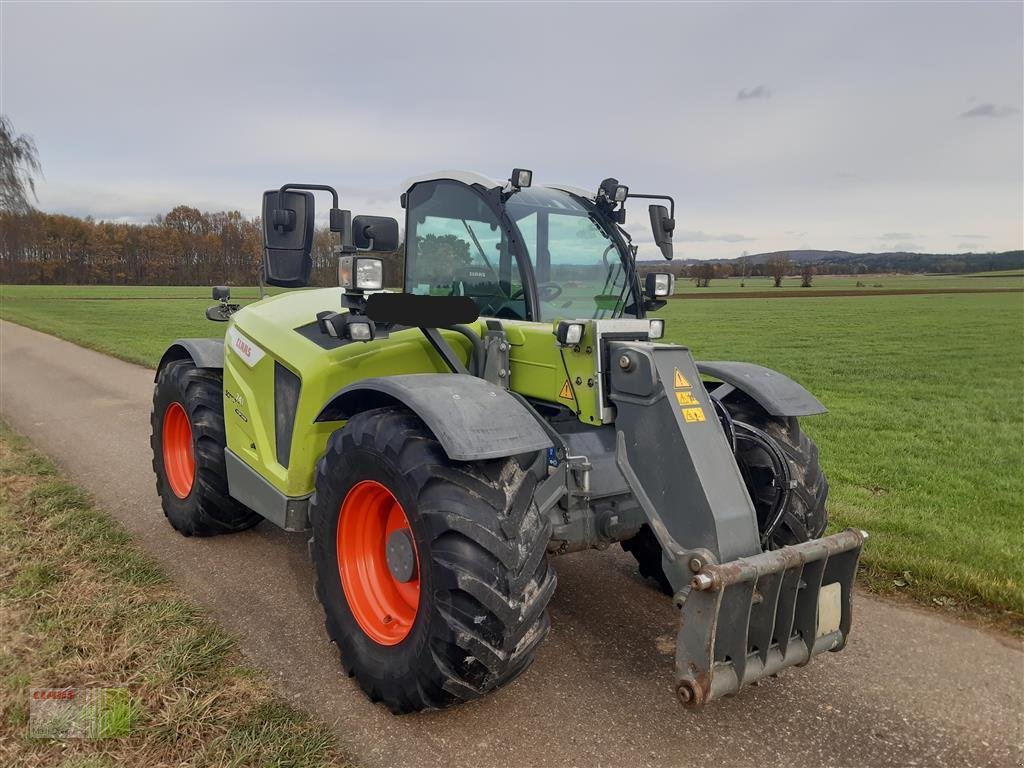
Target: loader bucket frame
{"type": "Point", "coordinates": [745, 613]}
{"type": "Point", "coordinates": [753, 617]}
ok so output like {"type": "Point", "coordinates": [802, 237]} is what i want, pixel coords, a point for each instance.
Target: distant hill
{"type": "Point", "coordinates": [898, 261]}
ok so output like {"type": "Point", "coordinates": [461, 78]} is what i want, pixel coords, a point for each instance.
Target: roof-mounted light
{"type": "Point", "coordinates": [612, 191]}
{"type": "Point", "coordinates": [520, 178]}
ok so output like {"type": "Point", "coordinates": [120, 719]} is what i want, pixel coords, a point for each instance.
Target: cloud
{"type": "Point", "coordinates": [757, 92]}
{"type": "Point", "coordinates": [896, 236]}
{"type": "Point", "coordinates": [968, 247]}
{"type": "Point", "coordinates": [990, 110]}
{"type": "Point", "coordinates": [906, 248]}
{"type": "Point", "coordinates": [699, 236]}
{"type": "Point", "coordinates": [971, 237]}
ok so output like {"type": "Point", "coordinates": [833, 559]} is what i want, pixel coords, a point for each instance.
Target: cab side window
{"type": "Point", "coordinates": [456, 246]}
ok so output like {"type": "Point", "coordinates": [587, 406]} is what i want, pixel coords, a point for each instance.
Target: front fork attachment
{"type": "Point", "coordinates": [754, 616]}
{"type": "Point", "coordinates": [745, 613]}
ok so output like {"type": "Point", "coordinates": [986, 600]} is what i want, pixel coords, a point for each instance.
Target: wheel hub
{"type": "Point", "coordinates": [401, 555]}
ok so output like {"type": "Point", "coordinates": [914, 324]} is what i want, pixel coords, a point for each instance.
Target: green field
{"type": "Point", "coordinates": [979, 281]}
{"type": "Point", "coordinates": [924, 444]}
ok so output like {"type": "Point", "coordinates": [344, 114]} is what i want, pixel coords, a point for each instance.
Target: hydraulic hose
{"type": "Point", "coordinates": [476, 357]}
{"type": "Point", "coordinates": [780, 466]}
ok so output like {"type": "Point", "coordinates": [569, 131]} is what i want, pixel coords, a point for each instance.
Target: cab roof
{"type": "Point", "coordinates": [471, 177]}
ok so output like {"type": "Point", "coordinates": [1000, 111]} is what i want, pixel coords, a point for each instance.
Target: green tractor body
{"type": "Point", "coordinates": [512, 403]}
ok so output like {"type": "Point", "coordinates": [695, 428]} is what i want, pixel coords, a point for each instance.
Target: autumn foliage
{"type": "Point", "coordinates": [185, 247]}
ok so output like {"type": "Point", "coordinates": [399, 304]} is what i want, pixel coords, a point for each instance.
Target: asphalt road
{"type": "Point", "coordinates": [912, 688]}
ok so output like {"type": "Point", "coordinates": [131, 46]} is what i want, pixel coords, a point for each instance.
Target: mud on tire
{"type": "Point", "coordinates": [480, 540]}
{"type": "Point", "coordinates": [205, 509]}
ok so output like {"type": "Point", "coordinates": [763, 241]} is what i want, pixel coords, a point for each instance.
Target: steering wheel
{"type": "Point", "coordinates": [545, 292]}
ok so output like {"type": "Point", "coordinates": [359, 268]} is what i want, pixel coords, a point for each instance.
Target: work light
{"type": "Point", "coordinates": [659, 284]}
{"type": "Point", "coordinates": [611, 190]}
{"type": "Point", "coordinates": [360, 330]}
{"type": "Point", "coordinates": [657, 329]}
{"type": "Point", "coordinates": [569, 334]}
{"type": "Point", "coordinates": [521, 178]}
{"type": "Point", "coordinates": [360, 273]}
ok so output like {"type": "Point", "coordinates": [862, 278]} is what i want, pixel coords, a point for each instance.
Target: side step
{"type": "Point", "coordinates": [754, 616]}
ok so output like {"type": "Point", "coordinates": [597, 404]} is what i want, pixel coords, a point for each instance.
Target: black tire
{"type": "Point", "coordinates": [484, 579]}
{"type": "Point", "coordinates": [805, 515]}
{"type": "Point", "coordinates": [207, 509]}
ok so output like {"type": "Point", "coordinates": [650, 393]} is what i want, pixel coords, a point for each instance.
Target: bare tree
{"type": "Point", "coordinates": [702, 274]}
{"type": "Point", "coordinates": [807, 275]}
{"type": "Point", "coordinates": [745, 268]}
{"type": "Point", "coordinates": [19, 165]}
{"type": "Point", "coordinates": [778, 267]}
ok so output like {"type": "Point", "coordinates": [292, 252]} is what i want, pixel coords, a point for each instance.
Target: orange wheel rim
{"type": "Point", "coordinates": [384, 607]}
{"type": "Point", "coordinates": [179, 461]}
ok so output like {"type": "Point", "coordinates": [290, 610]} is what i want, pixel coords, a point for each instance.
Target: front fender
{"type": "Point", "coordinates": [471, 418]}
{"type": "Point", "coordinates": [778, 394]}
{"type": "Point", "coordinates": [205, 353]}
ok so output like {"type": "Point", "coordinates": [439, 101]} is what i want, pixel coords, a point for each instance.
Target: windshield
{"type": "Point", "coordinates": [578, 269]}
{"type": "Point", "coordinates": [458, 244]}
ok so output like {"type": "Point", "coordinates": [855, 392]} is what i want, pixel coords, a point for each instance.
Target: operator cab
{"type": "Point", "coordinates": [521, 252]}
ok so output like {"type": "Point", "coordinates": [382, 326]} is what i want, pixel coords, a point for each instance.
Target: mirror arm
{"type": "Point", "coordinates": [671, 202]}
{"type": "Point", "coordinates": [341, 221]}
{"type": "Point", "coordinates": [313, 188]}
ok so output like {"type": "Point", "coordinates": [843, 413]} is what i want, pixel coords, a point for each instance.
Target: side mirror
{"type": "Point", "coordinates": [662, 226]}
{"type": "Point", "coordinates": [375, 233]}
{"type": "Point", "coordinates": [287, 237]}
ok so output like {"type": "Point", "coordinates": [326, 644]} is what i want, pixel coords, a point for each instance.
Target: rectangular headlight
{"type": "Point", "coordinates": [369, 274]}
{"type": "Point", "coordinates": [360, 273]}
{"type": "Point", "coordinates": [360, 331]}
{"type": "Point", "coordinates": [569, 334]}
{"type": "Point", "coordinates": [657, 329]}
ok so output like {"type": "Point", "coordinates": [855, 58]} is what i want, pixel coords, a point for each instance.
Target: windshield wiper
{"type": "Point", "coordinates": [481, 250]}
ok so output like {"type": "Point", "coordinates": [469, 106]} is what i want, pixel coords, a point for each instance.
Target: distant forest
{"type": "Point", "coordinates": [190, 247]}
{"type": "Point", "coordinates": [185, 247]}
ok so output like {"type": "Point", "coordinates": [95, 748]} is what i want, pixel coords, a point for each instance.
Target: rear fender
{"type": "Point", "coordinates": [205, 353]}
{"type": "Point", "coordinates": [778, 394]}
{"type": "Point", "coordinates": [471, 418]}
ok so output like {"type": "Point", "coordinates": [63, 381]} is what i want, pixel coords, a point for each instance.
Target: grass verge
{"type": "Point", "coordinates": [80, 606]}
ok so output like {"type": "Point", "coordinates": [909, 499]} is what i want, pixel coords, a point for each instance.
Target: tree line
{"type": "Point", "coordinates": [780, 265]}
{"type": "Point", "coordinates": [184, 247]}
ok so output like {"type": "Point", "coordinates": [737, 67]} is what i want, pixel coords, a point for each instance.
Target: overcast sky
{"type": "Point", "coordinates": [863, 127]}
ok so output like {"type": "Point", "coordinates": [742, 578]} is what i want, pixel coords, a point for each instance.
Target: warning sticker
{"type": "Point", "coordinates": [693, 414]}
{"type": "Point", "coordinates": [679, 380]}
{"type": "Point", "coordinates": [686, 398]}
{"type": "Point", "coordinates": [566, 393]}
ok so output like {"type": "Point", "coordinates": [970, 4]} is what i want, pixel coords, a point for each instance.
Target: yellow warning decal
{"type": "Point", "coordinates": [693, 414]}
{"type": "Point", "coordinates": [679, 380]}
{"type": "Point", "coordinates": [686, 398]}
{"type": "Point", "coordinates": [566, 393]}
